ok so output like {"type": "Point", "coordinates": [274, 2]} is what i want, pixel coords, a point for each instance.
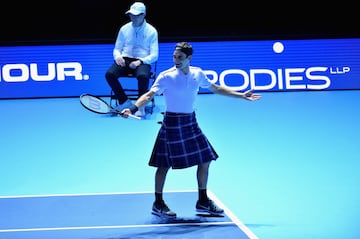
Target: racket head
{"type": "Point", "coordinates": [95, 104]}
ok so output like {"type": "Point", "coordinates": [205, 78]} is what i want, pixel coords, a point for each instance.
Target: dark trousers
{"type": "Point", "coordinates": [141, 73]}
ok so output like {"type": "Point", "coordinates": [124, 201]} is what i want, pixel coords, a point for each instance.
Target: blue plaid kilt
{"type": "Point", "coordinates": [180, 143]}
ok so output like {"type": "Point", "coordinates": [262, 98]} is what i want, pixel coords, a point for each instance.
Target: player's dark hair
{"type": "Point", "coordinates": [185, 48]}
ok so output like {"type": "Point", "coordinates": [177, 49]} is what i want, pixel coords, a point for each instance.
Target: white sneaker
{"type": "Point", "coordinates": [124, 105]}
{"type": "Point", "coordinates": [140, 112]}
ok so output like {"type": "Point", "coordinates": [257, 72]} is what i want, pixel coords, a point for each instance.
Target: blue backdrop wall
{"type": "Point", "coordinates": [269, 65]}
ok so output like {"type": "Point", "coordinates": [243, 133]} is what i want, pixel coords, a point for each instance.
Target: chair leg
{"type": "Point", "coordinates": [113, 102]}
{"type": "Point", "coordinates": [150, 108]}
{"type": "Point", "coordinates": [152, 105]}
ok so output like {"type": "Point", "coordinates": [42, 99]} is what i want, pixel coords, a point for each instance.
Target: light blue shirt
{"type": "Point", "coordinates": [180, 90]}
{"type": "Point", "coordinates": [137, 42]}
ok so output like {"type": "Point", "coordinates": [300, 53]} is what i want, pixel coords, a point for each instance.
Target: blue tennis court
{"type": "Point", "coordinates": [112, 216]}
{"type": "Point", "coordinates": [288, 168]}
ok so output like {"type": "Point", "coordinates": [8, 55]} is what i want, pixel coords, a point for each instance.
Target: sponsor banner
{"type": "Point", "coordinates": [286, 65]}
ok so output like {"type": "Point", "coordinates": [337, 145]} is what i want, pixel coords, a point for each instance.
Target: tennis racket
{"type": "Point", "coordinates": [97, 105]}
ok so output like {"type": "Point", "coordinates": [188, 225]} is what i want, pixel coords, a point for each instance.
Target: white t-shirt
{"type": "Point", "coordinates": [180, 90]}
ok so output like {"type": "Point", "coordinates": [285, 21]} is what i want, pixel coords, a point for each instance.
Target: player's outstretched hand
{"type": "Point", "coordinates": [249, 95]}
{"type": "Point", "coordinates": [125, 113]}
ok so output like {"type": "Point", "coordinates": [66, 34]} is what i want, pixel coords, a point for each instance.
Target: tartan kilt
{"type": "Point", "coordinates": [180, 143]}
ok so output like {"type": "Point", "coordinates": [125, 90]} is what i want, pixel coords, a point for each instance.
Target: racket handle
{"type": "Point", "coordinates": [130, 115]}
{"type": "Point", "coordinates": [134, 116]}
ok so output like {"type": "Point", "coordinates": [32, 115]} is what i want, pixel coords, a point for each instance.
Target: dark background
{"type": "Point", "coordinates": [80, 21]}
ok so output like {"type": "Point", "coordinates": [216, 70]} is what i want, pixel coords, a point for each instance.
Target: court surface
{"type": "Point", "coordinates": [115, 215]}
{"type": "Point", "coordinates": [288, 168]}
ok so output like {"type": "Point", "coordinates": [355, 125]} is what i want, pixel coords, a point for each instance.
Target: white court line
{"type": "Point", "coordinates": [111, 227]}
{"type": "Point", "coordinates": [234, 219]}
{"type": "Point", "coordinates": [89, 194]}
{"type": "Point", "coordinates": [232, 216]}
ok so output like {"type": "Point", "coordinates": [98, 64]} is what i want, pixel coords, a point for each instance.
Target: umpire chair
{"type": "Point", "coordinates": [133, 93]}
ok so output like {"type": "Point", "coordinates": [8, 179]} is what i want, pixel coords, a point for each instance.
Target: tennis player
{"type": "Point", "coordinates": [180, 142]}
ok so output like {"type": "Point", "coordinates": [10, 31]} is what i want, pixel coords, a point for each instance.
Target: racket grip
{"type": "Point", "coordinates": [130, 115]}
{"type": "Point", "coordinates": [134, 116]}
